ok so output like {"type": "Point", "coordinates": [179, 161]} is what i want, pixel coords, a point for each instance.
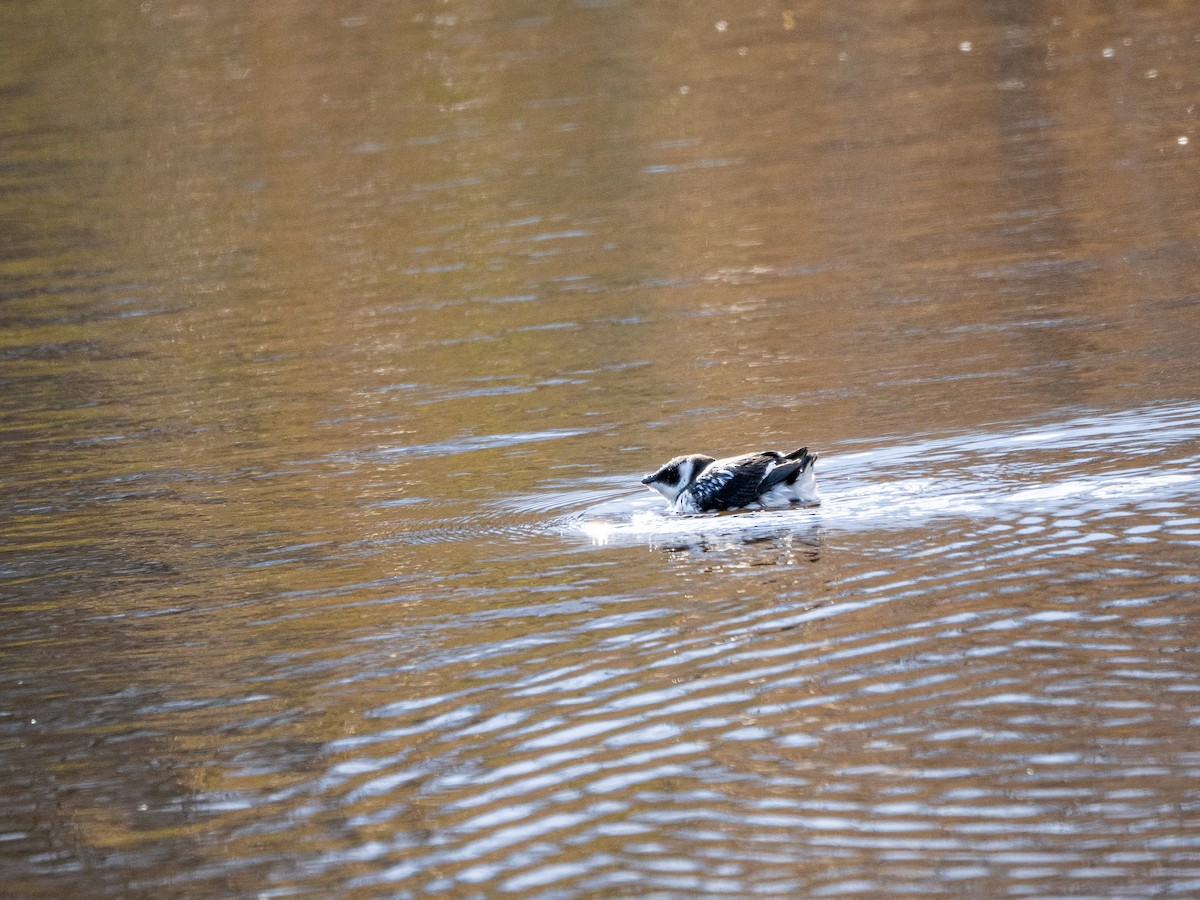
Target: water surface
{"type": "Point", "coordinates": [334, 341]}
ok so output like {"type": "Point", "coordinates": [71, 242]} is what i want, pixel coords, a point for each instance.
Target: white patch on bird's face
{"type": "Point", "coordinates": [666, 490]}
{"type": "Point", "coordinates": [673, 478]}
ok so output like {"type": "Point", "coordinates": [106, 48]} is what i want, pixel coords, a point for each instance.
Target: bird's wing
{"type": "Point", "coordinates": [730, 483]}
{"type": "Point", "coordinates": [788, 472]}
{"type": "Point", "coordinates": [783, 474]}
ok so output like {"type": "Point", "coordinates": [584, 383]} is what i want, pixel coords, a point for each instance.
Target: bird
{"type": "Point", "coordinates": [767, 479]}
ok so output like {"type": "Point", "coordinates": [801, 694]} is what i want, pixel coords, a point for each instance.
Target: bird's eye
{"type": "Point", "coordinates": [671, 476]}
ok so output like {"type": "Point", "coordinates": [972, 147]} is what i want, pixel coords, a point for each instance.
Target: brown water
{"type": "Point", "coordinates": [334, 339]}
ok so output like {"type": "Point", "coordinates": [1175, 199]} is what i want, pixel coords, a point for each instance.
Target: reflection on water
{"type": "Point", "coordinates": [332, 343]}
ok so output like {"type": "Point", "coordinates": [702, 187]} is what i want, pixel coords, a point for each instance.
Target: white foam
{"type": "Point", "coordinates": [1050, 470]}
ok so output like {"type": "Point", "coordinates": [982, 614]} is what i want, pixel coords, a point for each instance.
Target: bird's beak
{"type": "Point", "coordinates": [647, 479]}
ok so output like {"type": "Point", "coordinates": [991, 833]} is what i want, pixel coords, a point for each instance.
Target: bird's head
{"type": "Point", "coordinates": [677, 476]}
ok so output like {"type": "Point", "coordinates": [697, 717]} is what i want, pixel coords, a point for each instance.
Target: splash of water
{"type": "Point", "coordinates": [1085, 463]}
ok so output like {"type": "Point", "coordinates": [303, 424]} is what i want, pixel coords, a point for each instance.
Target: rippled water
{"type": "Point", "coordinates": [333, 344]}
{"type": "Point", "coordinates": [1080, 464]}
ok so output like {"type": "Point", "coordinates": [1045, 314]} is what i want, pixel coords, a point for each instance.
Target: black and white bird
{"type": "Point", "coordinates": [764, 480]}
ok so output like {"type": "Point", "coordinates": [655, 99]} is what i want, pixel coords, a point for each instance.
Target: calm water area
{"type": "Point", "coordinates": [336, 337]}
